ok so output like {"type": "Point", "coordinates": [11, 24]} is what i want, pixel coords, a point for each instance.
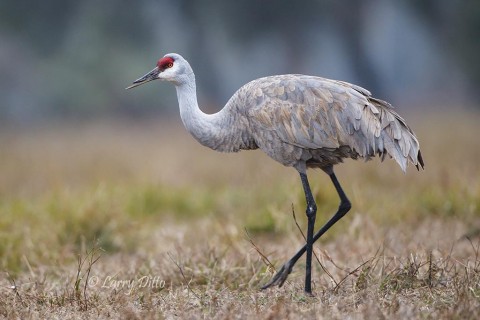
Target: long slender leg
{"type": "Point", "coordinates": [311, 214]}
{"type": "Point", "coordinates": [344, 207]}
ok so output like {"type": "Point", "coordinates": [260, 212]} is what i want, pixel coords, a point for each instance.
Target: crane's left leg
{"type": "Point", "coordinates": [311, 215]}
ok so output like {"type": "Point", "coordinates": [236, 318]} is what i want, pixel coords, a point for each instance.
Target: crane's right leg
{"type": "Point", "coordinates": [345, 206]}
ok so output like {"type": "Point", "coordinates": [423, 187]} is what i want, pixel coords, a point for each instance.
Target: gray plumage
{"type": "Point", "coordinates": [300, 121]}
{"type": "Point", "coordinates": [304, 121]}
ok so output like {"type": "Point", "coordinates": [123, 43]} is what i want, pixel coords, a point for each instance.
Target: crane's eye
{"type": "Point", "coordinates": [170, 65]}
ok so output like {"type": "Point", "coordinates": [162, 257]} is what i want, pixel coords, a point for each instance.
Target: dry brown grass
{"type": "Point", "coordinates": [166, 219]}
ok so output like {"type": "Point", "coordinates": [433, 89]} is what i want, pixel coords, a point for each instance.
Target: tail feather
{"type": "Point", "coordinates": [420, 161]}
{"type": "Point", "coordinates": [399, 141]}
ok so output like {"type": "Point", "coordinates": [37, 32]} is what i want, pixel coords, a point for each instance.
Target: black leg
{"type": "Point", "coordinates": [311, 214]}
{"type": "Point", "coordinates": [344, 207]}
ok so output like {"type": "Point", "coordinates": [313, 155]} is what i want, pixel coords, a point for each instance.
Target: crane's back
{"type": "Point", "coordinates": [310, 121]}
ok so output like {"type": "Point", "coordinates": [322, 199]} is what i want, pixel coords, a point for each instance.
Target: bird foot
{"type": "Point", "coordinates": [309, 294]}
{"type": "Point", "coordinates": [280, 277]}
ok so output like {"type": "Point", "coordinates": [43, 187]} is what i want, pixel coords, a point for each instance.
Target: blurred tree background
{"type": "Point", "coordinates": [72, 59]}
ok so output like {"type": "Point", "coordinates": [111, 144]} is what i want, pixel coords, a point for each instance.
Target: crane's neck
{"type": "Point", "coordinates": [218, 131]}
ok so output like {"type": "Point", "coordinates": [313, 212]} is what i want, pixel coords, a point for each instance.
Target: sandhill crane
{"type": "Point", "coordinates": [300, 121]}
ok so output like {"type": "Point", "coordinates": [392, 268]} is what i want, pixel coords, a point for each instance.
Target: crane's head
{"type": "Point", "coordinates": [172, 67]}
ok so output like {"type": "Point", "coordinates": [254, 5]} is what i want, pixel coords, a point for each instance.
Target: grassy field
{"type": "Point", "coordinates": [138, 221]}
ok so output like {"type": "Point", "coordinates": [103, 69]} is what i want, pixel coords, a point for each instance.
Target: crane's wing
{"type": "Point", "coordinates": [312, 112]}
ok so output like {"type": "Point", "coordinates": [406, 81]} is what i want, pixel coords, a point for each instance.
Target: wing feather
{"type": "Point", "coordinates": [315, 113]}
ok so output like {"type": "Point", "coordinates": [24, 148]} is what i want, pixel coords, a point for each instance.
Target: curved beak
{"type": "Point", "coordinates": [152, 75]}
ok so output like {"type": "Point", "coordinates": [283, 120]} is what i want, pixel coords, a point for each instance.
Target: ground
{"type": "Point", "coordinates": [137, 221]}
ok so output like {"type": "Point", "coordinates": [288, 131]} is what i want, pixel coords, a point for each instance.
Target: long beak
{"type": "Point", "coordinates": [152, 75]}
